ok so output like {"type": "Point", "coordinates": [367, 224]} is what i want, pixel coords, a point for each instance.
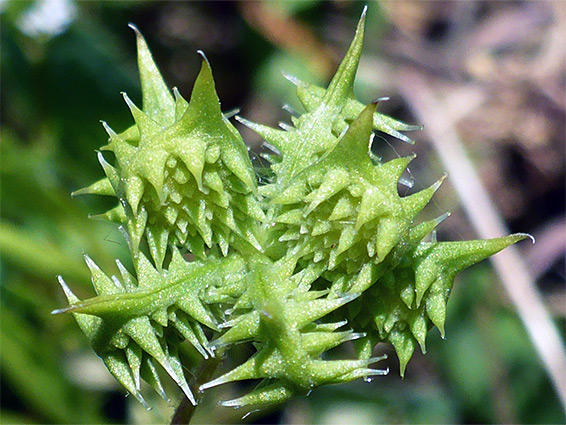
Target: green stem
{"type": "Point", "coordinates": [185, 411]}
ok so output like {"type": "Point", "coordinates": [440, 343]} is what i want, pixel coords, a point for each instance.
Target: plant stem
{"type": "Point", "coordinates": [185, 410]}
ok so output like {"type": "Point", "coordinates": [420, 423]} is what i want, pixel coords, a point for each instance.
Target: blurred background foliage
{"type": "Point", "coordinates": [63, 65]}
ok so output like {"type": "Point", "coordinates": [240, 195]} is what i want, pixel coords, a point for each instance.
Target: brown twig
{"type": "Point", "coordinates": [550, 247]}
{"type": "Point", "coordinates": [509, 265]}
{"type": "Point", "coordinates": [289, 35]}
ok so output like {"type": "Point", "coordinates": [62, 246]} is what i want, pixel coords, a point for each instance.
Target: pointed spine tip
{"type": "Point", "coordinates": [137, 395]}
{"type": "Point", "coordinates": [236, 403]}
{"type": "Point", "coordinates": [134, 110]}
{"type": "Point", "coordinates": [443, 217]}
{"type": "Point", "coordinates": [101, 160]}
{"type": "Point", "coordinates": [288, 108]}
{"type": "Point", "coordinates": [68, 293]}
{"type": "Point", "coordinates": [91, 264]}
{"type": "Point", "coordinates": [437, 184]}
{"type": "Point", "coordinates": [133, 27]}
{"type": "Point", "coordinates": [189, 394]}
{"type": "Point", "coordinates": [128, 101]}
{"type": "Point", "coordinates": [379, 100]}
{"type": "Point", "coordinates": [527, 235]}
{"type": "Point", "coordinates": [372, 360]}
{"type": "Point", "coordinates": [245, 122]}
{"type": "Point", "coordinates": [361, 23]}
{"type": "Point", "coordinates": [352, 336]}
{"type": "Point", "coordinates": [107, 128]}
{"type": "Point", "coordinates": [204, 58]}
{"type": "Point", "coordinates": [231, 113]}
{"type": "Point", "coordinates": [290, 78]}
{"type": "Point", "coordinates": [211, 384]}
{"type": "Point", "coordinates": [64, 285]}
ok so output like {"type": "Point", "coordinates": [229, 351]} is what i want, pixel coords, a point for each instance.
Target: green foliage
{"type": "Point", "coordinates": [326, 242]}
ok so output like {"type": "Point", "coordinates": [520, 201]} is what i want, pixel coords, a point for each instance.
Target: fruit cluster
{"type": "Point", "coordinates": [326, 242]}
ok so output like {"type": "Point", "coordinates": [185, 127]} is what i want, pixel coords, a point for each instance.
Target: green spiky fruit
{"type": "Point", "coordinates": [181, 180]}
{"type": "Point", "coordinates": [327, 243]}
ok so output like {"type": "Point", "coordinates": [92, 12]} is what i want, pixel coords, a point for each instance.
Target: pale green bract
{"type": "Point", "coordinates": [325, 252]}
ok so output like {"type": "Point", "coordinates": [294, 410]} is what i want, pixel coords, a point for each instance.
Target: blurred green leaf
{"type": "Point", "coordinates": [29, 363]}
